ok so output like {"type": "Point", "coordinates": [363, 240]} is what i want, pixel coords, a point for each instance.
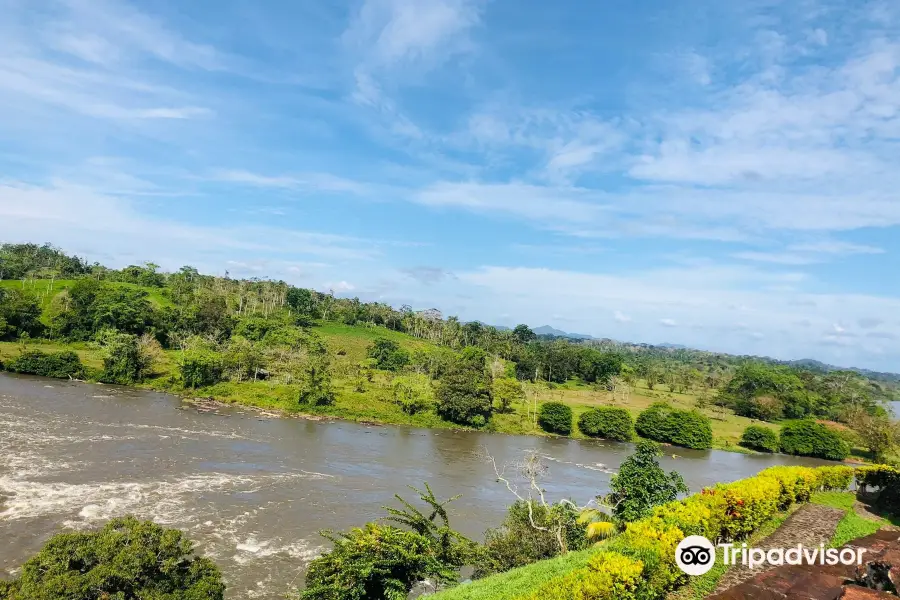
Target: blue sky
{"type": "Point", "coordinates": [717, 174]}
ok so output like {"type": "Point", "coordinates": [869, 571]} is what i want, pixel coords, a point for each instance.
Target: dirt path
{"type": "Point", "coordinates": [811, 525]}
{"type": "Point", "coordinates": [864, 510]}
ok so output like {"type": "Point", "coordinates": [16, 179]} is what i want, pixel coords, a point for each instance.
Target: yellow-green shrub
{"type": "Point", "coordinates": [834, 478]}
{"type": "Point", "coordinates": [655, 548]}
{"type": "Point", "coordinates": [640, 562]}
{"type": "Point", "coordinates": [887, 480]}
{"type": "Point", "coordinates": [608, 576]}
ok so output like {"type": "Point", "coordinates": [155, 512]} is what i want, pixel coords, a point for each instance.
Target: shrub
{"type": "Point", "coordinates": [555, 417]}
{"type": "Point", "coordinates": [200, 368]}
{"type": "Point", "coordinates": [62, 365]}
{"type": "Point", "coordinates": [517, 543]}
{"type": "Point", "coordinates": [388, 355]}
{"type": "Point", "coordinates": [687, 428]}
{"type": "Point", "coordinates": [809, 438]}
{"type": "Point", "coordinates": [607, 422]}
{"type": "Point", "coordinates": [377, 561]}
{"type": "Point", "coordinates": [757, 437]}
{"type": "Point", "coordinates": [127, 359]}
{"type": "Point", "coordinates": [887, 480]}
{"type": "Point", "coordinates": [651, 423]}
{"type": "Point", "coordinates": [641, 484]}
{"type": "Point", "coordinates": [608, 576]}
{"type": "Point", "coordinates": [127, 558]}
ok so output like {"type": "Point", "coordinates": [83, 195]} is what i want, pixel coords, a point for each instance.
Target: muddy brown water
{"type": "Point", "coordinates": [253, 491]}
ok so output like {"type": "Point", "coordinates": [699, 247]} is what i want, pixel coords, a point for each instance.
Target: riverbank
{"type": "Point", "coordinates": [370, 399]}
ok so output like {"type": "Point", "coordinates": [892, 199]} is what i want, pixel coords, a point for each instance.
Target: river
{"type": "Point", "coordinates": [253, 491]}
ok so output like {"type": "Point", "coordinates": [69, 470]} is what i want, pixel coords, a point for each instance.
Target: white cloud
{"type": "Point", "coordinates": [323, 182]}
{"type": "Point", "coordinates": [620, 317]}
{"type": "Point", "coordinates": [83, 220]}
{"type": "Point", "coordinates": [391, 32]}
{"type": "Point", "coordinates": [668, 322]}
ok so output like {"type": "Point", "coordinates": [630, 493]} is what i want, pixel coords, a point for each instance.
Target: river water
{"type": "Point", "coordinates": [253, 491]}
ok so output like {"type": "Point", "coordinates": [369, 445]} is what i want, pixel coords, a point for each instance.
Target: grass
{"type": "Point", "coordinates": [46, 291]}
{"type": "Point", "coordinates": [517, 582]}
{"type": "Point", "coordinates": [853, 525]}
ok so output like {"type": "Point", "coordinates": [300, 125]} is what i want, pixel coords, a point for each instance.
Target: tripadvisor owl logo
{"type": "Point", "coordinates": [695, 555]}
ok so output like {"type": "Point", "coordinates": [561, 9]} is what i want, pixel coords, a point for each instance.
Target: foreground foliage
{"type": "Point", "coordinates": [639, 563]}
{"type": "Point", "coordinates": [526, 537]}
{"type": "Point", "coordinates": [126, 559]}
{"type": "Point", "coordinates": [384, 561]}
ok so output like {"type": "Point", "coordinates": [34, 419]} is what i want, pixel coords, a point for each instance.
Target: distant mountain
{"type": "Point", "coordinates": [673, 346]}
{"type": "Point", "coordinates": [552, 331]}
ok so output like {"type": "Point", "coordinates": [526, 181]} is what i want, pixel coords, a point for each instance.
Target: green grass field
{"type": "Point", "coordinates": [853, 525]}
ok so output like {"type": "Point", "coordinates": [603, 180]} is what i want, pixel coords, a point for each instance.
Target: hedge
{"type": "Point", "coordinates": [61, 365]}
{"type": "Point", "coordinates": [887, 480]}
{"type": "Point", "coordinates": [607, 422]}
{"type": "Point", "coordinates": [687, 428]}
{"type": "Point", "coordinates": [555, 417]}
{"type": "Point", "coordinates": [809, 438]}
{"type": "Point", "coordinates": [640, 562]}
{"type": "Point", "coordinates": [757, 437]}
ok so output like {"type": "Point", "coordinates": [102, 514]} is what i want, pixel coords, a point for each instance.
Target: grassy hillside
{"type": "Point", "coordinates": [368, 395]}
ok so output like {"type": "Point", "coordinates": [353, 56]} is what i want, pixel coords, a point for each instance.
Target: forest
{"type": "Point", "coordinates": [275, 345]}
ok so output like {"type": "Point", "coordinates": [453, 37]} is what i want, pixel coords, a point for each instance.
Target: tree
{"type": "Point", "coordinates": [523, 334]}
{"type": "Point", "coordinates": [20, 313]}
{"type": "Point", "coordinates": [127, 359]}
{"type": "Point", "coordinates": [388, 355]}
{"type": "Point", "coordinates": [879, 433]}
{"type": "Point", "coordinates": [316, 378]}
{"type": "Point", "coordinates": [507, 390]}
{"type": "Point", "coordinates": [463, 394]}
{"type": "Point", "coordinates": [641, 484]}
{"type": "Point", "coordinates": [125, 559]}
{"type": "Point", "coordinates": [809, 438]}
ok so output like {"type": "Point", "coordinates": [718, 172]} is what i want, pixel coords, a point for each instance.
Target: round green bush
{"type": "Point", "coordinates": [607, 422]}
{"type": "Point", "coordinates": [662, 423]}
{"type": "Point", "coordinates": [651, 423]}
{"type": "Point", "coordinates": [763, 439]}
{"type": "Point", "coordinates": [689, 429]}
{"type": "Point", "coordinates": [809, 438]}
{"type": "Point", "coordinates": [555, 417]}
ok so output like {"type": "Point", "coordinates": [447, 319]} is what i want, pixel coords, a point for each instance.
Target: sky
{"type": "Point", "coordinates": [722, 175]}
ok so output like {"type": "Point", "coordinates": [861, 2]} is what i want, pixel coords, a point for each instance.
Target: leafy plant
{"type": "Point", "coordinates": [388, 355]}
{"type": "Point", "coordinates": [463, 395]}
{"type": "Point", "coordinates": [61, 365]}
{"type": "Point", "coordinates": [125, 559]}
{"type": "Point", "coordinates": [555, 417]}
{"type": "Point", "coordinates": [757, 437]}
{"type": "Point", "coordinates": [809, 438]}
{"type": "Point", "coordinates": [641, 484]}
{"type": "Point", "coordinates": [607, 422]}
